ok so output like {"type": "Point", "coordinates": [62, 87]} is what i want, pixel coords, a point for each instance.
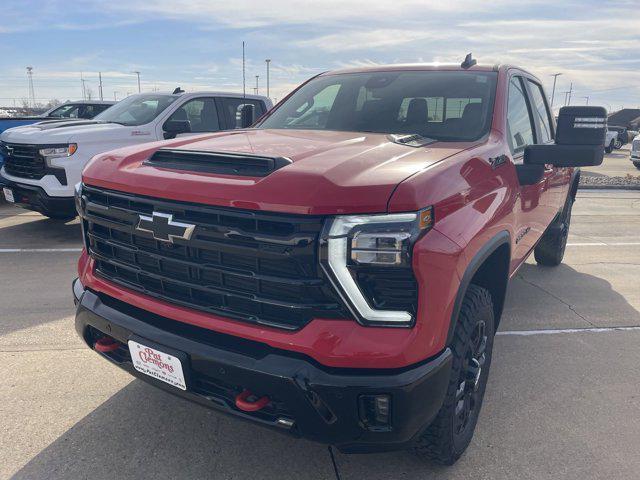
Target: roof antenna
{"type": "Point", "coordinates": [469, 61]}
{"type": "Point", "coordinates": [177, 91]}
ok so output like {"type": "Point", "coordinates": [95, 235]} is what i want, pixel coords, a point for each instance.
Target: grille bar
{"type": "Point", "coordinates": [260, 268]}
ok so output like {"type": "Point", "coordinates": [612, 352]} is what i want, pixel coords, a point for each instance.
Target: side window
{"type": "Point", "coordinates": [87, 111]}
{"type": "Point", "coordinates": [541, 112]}
{"type": "Point", "coordinates": [232, 108]}
{"type": "Point", "coordinates": [519, 122]}
{"type": "Point", "coordinates": [201, 113]}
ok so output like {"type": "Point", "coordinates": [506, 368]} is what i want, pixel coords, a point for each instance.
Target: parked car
{"type": "Point", "coordinates": [339, 270]}
{"type": "Point", "coordinates": [83, 109]}
{"type": "Point", "coordinates": [623, 136]}
{"type": "Point", "coordinates": [634, 155]}
{"type": "Point", "coordinates": [43, 162]}
{"type": "Point", "coordinates": [611, 140]}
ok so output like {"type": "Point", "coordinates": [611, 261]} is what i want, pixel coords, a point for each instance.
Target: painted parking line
{"type": "Point", "coordinates": [557, 331]}
{"type": "Point", "coordinates": [602, 244]}
{"type": "Point", "coordinates": [38, 250]}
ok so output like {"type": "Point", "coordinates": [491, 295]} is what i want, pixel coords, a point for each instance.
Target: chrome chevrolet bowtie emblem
{"type": "Point", "coordinates": [163, 228]}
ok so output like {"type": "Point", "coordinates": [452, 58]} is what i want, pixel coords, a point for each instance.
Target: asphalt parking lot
{"type": "Point", "coordinates": [562, 401]}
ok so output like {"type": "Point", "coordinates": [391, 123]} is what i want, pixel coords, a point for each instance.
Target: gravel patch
{"type": "Point", "coordinates": [629, 181]}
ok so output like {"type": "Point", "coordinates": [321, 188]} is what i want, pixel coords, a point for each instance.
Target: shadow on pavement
{"type": "Point", "coordinates": [142, 432]}
{"type": "Point", "coordinates": [560, 297]}
{"type": "Point", "coordinates": [37, 231]}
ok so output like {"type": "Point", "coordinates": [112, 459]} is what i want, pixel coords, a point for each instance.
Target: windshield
{"type": "Point", "coordinates": [136, 109]}
{"type": "Point", "coordinates": [443, 105]}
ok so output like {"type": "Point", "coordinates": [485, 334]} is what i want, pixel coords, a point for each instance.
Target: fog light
{"type": "Point", "coordinates": [375, 411]}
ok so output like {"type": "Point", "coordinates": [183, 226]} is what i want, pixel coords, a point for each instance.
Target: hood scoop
{"type": "Point", "coordinates": [222, 163]}
{"type": "Point", "coordinates": [410, 139]}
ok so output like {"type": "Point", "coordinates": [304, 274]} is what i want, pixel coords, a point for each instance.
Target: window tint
{"type": "Point", "coordinates": [232, 108]}
{"type": "Point", "coordinates": [446, 106]}
{"type": "Point", "coordinates": [201, 113]}
{"type": "Point", "coordinates": [543, 118]}
{"type": "Point", "coordinates": [519, 125]}
{"type": "Point", "coordinates": [65, 111]}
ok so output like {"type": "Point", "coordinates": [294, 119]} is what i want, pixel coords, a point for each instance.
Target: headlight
{"type": "Point", "coordinates": [58, 151]}
{"type": "Point", "coordinates": [363, 253]}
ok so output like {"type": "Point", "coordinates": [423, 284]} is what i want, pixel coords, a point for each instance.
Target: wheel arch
{"type": "Point", "coordinates": [489, 268]}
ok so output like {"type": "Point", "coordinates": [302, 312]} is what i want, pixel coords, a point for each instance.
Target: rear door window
{"type": "Point", "coordinates": [232, 107]}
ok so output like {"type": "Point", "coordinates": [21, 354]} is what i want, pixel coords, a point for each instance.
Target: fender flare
{"type": "Point", "coordinates": [500, 239]}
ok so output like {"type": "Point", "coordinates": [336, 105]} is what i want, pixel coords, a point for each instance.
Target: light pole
{"type": "Point", "coordinates": [587, 99]}
{"type": "Point", "coordinates": [257, 77]}
{"type": "Point", "coordinates": [267, 61]}
{"type": "Point", "coordinates": [138, 74]}
{"type": "Point", "coordinates": [553, 90]}
{"type": "Point", "coordinates": [115, 96]}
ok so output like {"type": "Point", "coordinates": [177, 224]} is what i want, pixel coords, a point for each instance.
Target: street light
{"type": "Point", "coordinates": [138, 74]}
{"type": "Point", "coordinates": [553, 90]}
{"type": "Point", "coordinates": [268, 61]}
{"type": "Point", "coordinates": [257, 77]}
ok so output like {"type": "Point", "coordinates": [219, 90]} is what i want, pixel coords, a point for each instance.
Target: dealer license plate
{"type": "Point", "coordinates": [157, 364]}
{"type": "Point", "coordinates": [8, 195]}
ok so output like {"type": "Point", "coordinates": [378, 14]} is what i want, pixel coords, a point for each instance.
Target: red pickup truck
{"type": "Point", "coordinates": [338, 270]}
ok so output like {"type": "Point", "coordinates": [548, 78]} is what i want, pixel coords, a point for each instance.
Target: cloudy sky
{"type": "Point", "coordinates": [197, 43]}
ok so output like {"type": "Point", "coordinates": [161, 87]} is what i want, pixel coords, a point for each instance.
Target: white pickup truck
{"type": "Point", "coordinates": [44, 161]}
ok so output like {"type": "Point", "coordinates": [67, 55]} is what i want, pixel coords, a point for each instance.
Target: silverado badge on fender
{"type": "Point", "coordinates": [163, 228]}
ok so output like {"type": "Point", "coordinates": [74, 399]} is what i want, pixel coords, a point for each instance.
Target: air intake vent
{"type": "Point", "coordinates": [242, 164]}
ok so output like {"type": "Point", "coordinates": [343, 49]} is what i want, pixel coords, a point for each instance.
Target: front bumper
{"type": "Point", "coordinates": [307, 399]}
{"type": "Point", "coordinates": [35, 198]}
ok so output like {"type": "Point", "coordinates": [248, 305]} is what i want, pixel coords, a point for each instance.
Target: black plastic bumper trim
{"type": "Point", "coordinates": [321, 404]}
{"type": "Point", "coordinates": [35, 198]}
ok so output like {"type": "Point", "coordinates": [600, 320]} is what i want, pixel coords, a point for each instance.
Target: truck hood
{"type": "Point", "coordinates": [52, 132]}
{"type": "Point", "coordinates": [331, 172]}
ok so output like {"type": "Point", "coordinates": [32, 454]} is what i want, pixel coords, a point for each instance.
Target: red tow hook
{"type": "Point", "coordinates": [243, 404]}
{"type": "Point", "coordinates": [106, 344]}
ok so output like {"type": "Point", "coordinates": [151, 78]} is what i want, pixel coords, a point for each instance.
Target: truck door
{"type": "Point", "coordinates": [532, 211]}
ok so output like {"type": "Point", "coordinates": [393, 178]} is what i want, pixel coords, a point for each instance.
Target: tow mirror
{"type": "Point", "coordinates": [172, 128]}
{"type": "Point", "coordinates": [247, 115]}
{"type": "Point", "coordinates": [580, 138]}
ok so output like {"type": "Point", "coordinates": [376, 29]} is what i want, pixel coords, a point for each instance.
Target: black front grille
{"type": "Point", "coordinates": [23, 161]}
{"type": "Point", "coordinates": [251, 266]}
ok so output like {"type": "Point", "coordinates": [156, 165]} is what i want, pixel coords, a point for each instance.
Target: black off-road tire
{"type": "Point", "coordinates": [448, 436]}
{"type": "Point", "coordinates": [609, 148]}
{"type": "Point", "coordinates": [550, 249]}
{"type": "Point", "coordinates": [637, 165]}
{"type": "Point", "coordinates": [618, 144]}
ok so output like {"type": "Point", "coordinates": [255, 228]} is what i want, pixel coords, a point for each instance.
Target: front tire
{"type": "Point", "coordinates": [609, 148]}
{"type": "Point", "coordinates": [550, 249]}
{"type": "Point", "coordinates": [618, 144]}
{"type": "Point", "coordinates": [449, 435]}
